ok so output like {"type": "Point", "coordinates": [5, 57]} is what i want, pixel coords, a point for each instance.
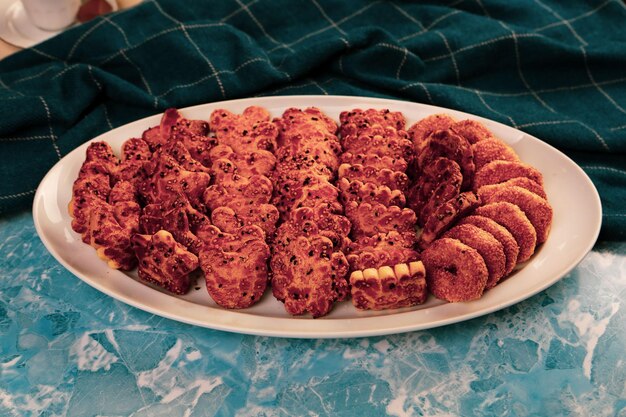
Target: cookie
{"type": "Point", "coordinates": [354, 121]}
{"type": "Point", "coordinates": [309, 276]}
{"type": "Point", "coordinates": [492, 149]}
{"type": "Point", "coordinates": [445, 216]}
{"type": "Point", "coordinates": [523, 182]}
{"type": "Point", "coordinates": [496, 172]}
{"type": "Point", "coordinates": [374, 161]}
{"type": "Point", "coordinates": [236, 278]}
{"type": "Point", "coordinates": [454, 271]}
{"type": "Point", "coordinates": [441, 171]}
{"type": "Point", "coordinates": [387, 287]}
{"type": "Point", "coordinates": [164, 262]}
{"type": "Point", "coordinates": [421, 130]}
{"type": "Point", "coordinates": [515, 221]}
{"type": "Point", "coordinates": [471, 130]}
{"type": "Point", "coordinates": [537, 209]}
{"type": "Point", "coordinates": [447, 144]}
{"type": "Point", "coordinates": [509, 244]}
{"type": "Point", "coordinates": [486, 245]}
{"type": "Point", "coordinates": [367, 192]}
{"type": "Point", "coordinates": [394, 180]}
{"type": "Point", "coordinates": [369, 219]}
{"type": "Point", "coordinates": [381, 249]}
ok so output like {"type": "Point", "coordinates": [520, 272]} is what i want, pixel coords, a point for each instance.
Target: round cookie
{"type": "Point", "coordinates": [537, 209]}
{"type": "Point", "coordinates": [499, 171]}
{"type": "Point", "coordinates": [422, 129]}
{"type": "Point", "coordinates": [523, 182]}
{"type": "Point", "coordinates": [510, 246]}
{"type": "Point", "coordinates": [454, 271]}
{"type": "Point", "coordinates": [515, 221]}
{"type": "Point", "coordinates": [440, 171]}
{"type": "Point", "coordinates": [442, 193]}
{"type": "Point", "coordinates": [447, 144]}
{"type": "Point", "coordinates": [471, 130]}
{"type": "Point", "coordinates": [492, 149]}
{"type": "Point", "coordinates": [445, 216]}
{"type": "Point", "coordinates": [487, 246]}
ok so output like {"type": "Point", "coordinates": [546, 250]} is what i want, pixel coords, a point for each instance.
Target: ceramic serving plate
{"type": "Point", "coordinates": [575, 201]}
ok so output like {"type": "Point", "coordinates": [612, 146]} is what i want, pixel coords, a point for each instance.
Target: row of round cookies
{"type": "Point", "coordinates": [481, 209]}
{"type": "Point", "coordinates": [316, 202]}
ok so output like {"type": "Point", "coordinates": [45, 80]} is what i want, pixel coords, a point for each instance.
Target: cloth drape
{"type": "Point", "coordinates": [556, 70]}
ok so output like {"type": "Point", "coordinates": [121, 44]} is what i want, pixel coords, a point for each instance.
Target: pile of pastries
{"type": "Point", "coordinates": [368, 209]}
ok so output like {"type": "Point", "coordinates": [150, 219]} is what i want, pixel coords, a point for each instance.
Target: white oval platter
{"type": "Point", "coordinates": [576, 225]}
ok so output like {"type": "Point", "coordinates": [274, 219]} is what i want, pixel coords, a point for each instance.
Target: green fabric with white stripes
{"type": "Point", "coordinates": [556, 70]}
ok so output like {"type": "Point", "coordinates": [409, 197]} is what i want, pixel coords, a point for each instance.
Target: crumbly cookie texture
{"type": "Point", "coordinates": [370, 208]}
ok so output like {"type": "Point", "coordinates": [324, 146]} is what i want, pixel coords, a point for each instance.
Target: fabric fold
{"type": "Point", "coordinates": [553, 70]}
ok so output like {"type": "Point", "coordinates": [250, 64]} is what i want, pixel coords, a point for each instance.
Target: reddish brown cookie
{"type": "Point", "coordinates": [308, 276]}
{"type": "Point", "coordinates": [87, 192]}
{"type": "Point", "coordinates": [177, 217]}
{"type": "Point", "coordinates": [109, 232]}
{"type": "Point", "coordinates": [158, 136]}
{"type": "Point", "coordinates": [515, 221]}
{"type": "Point", "coordinates": [250, 131]}
{"type": "Point", "coordinates": [168, 179]}
{"type": "Point", "coordinates": [367, 192]}
{"type": "Point", "coordinates": [374, 161]}
{"type": "Point", "coordinates": [447, 144]}
{"type": "Point", "coordinates": [537, 209]}
{"type": "Point", "coordinates": [233, 217]}
{"type": "Point", "coordinates": [323, 165]}
{"type": "Point", "coordinates": [227, 124]}
{"type": "Point", "coordinates": [101, 153]}
{"type": "Point", "coordinates": [236, 278]}
{"type": "Point", "coordinates": [444, 192]}
{"type": "Point", "coordinates": [445, 216]}
{"type": "Point", "coordinates": [164, 262]}
{"type": "Point", "coordinates": [213, 237]}
{"type": "Point", "coordinates": [300, 138]}
{"type": "Point", "coordinates": [192, 134]}
{"type": "Point", "coordinates": [421, 130]}
{"type": "Point", "coordinates": [496, 172]}
{"type": "Point", "coordinates": [122, 191]}
{"type": "Point", "coordinates": [492, 149]}
{"type": "Point", "coordinates": [226, 161]}
{"type": "Point", "coordinates": [198, 146]}
{"type": "Point", "coordinates": [509, 244]}
{"type": "Point", "coordinates": [487, 246]}
{"type": "Point", "coordinates": [441, 171]}
{"type": "Point", "coordinates": [135, 153]}
{"type": "Point", "coordinates": [380, 141]}
{"type": "Point", "coordinates": [402, 285]}
{"type": "Point", "coordinates": [369, 219]}
{"type": "Point", "coordinates": [471, 130]}
{"type": "Point", "coordinates": [300, 169]}
{"type": "Point", "coordinates": [382, 249]}
{"type": "Point", "coordinates": [182, 155]}
{"type": "Point", "coordinates": [311, 191]}
{"type": "Point", "coordinates": [523, 182]}
{"type": "Point", "coordinates": [234, 189]}
{"type": "Point", "coordinates": [454, 271]}
{"type": "Point", "coordinates": [292, 118]}
{"type": "Point", "coordinates": [395, 180]}
{"type": "Point", "coordinates": [355, 121]}
{"type": "Point", "coordinates": [310, 221]}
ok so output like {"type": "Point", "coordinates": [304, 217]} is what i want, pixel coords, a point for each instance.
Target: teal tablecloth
{"type": "Point", "coordinates": [556, 70]}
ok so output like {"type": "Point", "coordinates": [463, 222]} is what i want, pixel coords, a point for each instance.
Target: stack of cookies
{"type": "Point", "coordinates": [308, 266]}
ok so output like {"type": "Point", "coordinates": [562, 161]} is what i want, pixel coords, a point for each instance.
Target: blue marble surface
{"type": "Point", "coordinates": [68, 350]}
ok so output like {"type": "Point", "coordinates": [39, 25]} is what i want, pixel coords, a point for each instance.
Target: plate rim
{"type": "Point", "coordinates": [317, 328]}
